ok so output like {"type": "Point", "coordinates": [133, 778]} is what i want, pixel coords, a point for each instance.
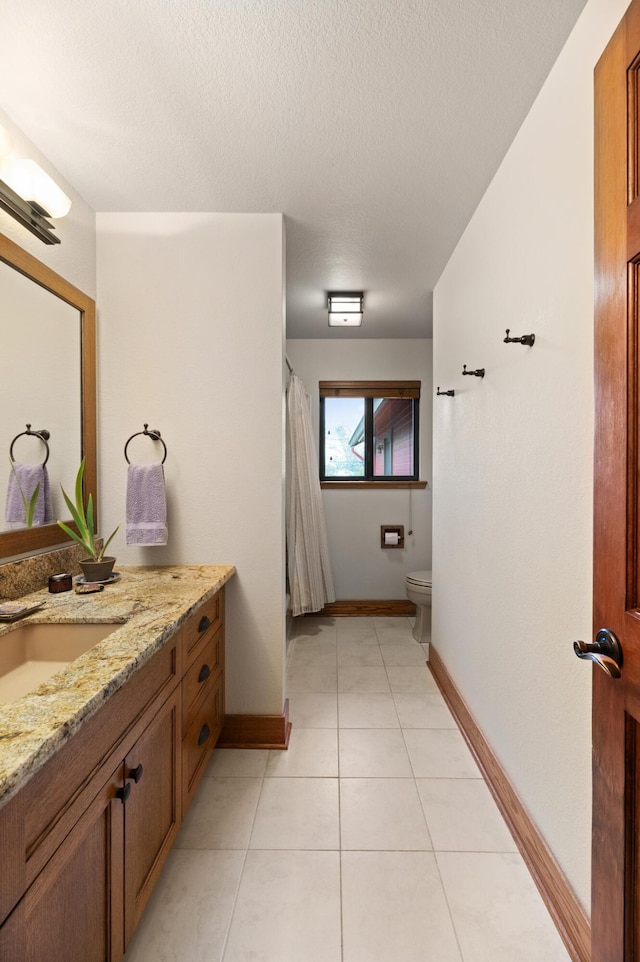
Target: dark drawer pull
{"type": "Point", "coordinates": [136, 773]}
{"type": "Point", "coordinates": [205, 671]}
{"type": "Point", "coordinates": [123, 793]}
{"type": "Point", "coordinates": [204, 624]}
{"type": "Point", "coordinates": [205, 731]}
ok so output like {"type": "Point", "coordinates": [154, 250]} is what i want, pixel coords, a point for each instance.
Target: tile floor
{"type": "Point", "coordinates": [372, 839]}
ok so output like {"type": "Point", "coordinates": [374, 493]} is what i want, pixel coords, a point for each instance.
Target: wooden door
{"type": "Point", "coordinates": [616, 701]}
{"type": "Point", "coordinates": [73, 911]}
{"type": "Point", "coordinates": [152, 807]}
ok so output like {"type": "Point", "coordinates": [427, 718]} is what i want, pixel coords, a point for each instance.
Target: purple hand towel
{"type": "Point", "coordinates": [26, 477]}
{"type": "Point", "coordinates": [146, 505]}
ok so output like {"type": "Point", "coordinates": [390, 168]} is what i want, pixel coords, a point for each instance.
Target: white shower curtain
{"type": "Point", "coordinates": [310, 578]}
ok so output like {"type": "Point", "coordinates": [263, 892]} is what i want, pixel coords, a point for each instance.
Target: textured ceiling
{"type": "Point", "coordinates": [375, 126]}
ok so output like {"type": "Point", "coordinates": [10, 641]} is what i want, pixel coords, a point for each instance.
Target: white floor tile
{"type": "Point", "coordinates": [400, 622]}
{"type": "Point", "coordinates": [367, 711]}
{"type": "Point", "coordinates": [403, 655]}
{"type": "Point", "coordinates": [382, 813]}
{"type": "Point", "coordinates": [238, 761]}
{"type": "Point", "coordinates": [373, 753]}
{"type": "Point", "coordinates": [312, 752]}
{"type": "Point", "coordinates": [353, 654]}
{"type": "Point", "coordinates": [304, 678]}
{"type": "Point", "coordinates": [427, 710]}
{"type": "Point", "coordinates": [268, 827]}
{"type": "Point", "coordinates": [313, 627]}
{"type": "Point", "coordinates": [439, 753]}
{"type": "Point", "coordinates": [314, 649]}
{"type": "Point", "coordinates": [393, 908]}
{"type": "Point", "coordinates": [288, 909]}
{"type": "Point", "coordinates": [398, 635]}
{"type": "Point", "coordinates": [362, 680]}
{"type": "Point", "coordinates": [362, 635]}
{"type": "Point", "coordinates": [497, 911]}
{"type": "Point", "coordinates": [463, 817]}
{"type": "Point", "coordinates": [411, 680]}
{"type": "Point", "coordinates": [297, 813]}
{"type": "Point", "coordinates": [221, 814]}
{"type": "Point", "coordinates": [189, 912]}
{"type": "Point", "coordinates": [313, 710]}
{"type": "Point", "coordinates": [345, 625]}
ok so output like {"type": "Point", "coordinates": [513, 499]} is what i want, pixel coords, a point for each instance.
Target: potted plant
{"type": "Point", "coordinates": [97, 566]}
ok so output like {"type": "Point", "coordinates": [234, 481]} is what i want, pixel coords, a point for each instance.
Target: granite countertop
{"type": "Point", "coordinates": [151, 603]}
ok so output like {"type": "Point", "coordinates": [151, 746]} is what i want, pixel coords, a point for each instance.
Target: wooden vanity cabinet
{"type": "Point", "coordinates": [86, 901]}
{"type": "Point", "coordinates": [89, 857]}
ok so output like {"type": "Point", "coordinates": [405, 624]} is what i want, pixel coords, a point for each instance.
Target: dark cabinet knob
{"type": "Point", "coordinates": [205, 731]}
{"type": "Point", "coordinates": [204, 624]}
{"type": "Point", "coordinates": [136, 773]}
{"type": "Point", "coordinates": [124, 792]}
{"type": "Point", "coordinates": [205, 671]}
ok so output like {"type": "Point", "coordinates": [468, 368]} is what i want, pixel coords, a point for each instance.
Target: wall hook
{"type": "Point", "coordinates": [479, 372]}
{"type": "Point", "coordinates": [528, 339]}
{"type": "Point", "coordinates": [449, 393]}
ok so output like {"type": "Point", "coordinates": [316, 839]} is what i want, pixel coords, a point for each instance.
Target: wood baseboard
{"type": "Point", "coordinates": [256, 731]}
{"type": "Point", "coordinates": [566, 910]}
{"type": "Point", "coordinates": [399, 608]}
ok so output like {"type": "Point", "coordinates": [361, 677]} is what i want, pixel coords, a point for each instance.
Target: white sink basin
{"type": "Point", "coordinates": [31, 653]}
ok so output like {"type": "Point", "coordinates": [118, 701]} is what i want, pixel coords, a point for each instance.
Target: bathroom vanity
{"type": "Point", "coordinates": [99, 764]}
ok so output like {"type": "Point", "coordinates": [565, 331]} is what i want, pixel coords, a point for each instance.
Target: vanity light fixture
{"type": "Point", "coordinates": [31, 196]}
{"type": "Point", "coordinates": [345, 308]}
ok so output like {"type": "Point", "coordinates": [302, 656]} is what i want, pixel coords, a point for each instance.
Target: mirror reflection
{"type": "Point", "coordinates": [41, 387]}
{"type": "Point", "coordinates": [48, 381]}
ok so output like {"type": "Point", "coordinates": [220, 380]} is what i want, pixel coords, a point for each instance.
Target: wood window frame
{"type": "Point", "coordinates": [370, 390]}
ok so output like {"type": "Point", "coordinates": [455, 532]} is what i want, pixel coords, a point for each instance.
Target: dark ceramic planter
{"type": "Point", "coordinates": [97, 570]}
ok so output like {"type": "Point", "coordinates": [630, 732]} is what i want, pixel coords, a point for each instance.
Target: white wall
{"type": "Point", "coordinates": [75, 257]}
{"type": "Point", "coordinates": [513, 454]}
{"type": "Point", "coordinates": [191, 335]}
{"type": "Point", "coordinates": [361, 568]}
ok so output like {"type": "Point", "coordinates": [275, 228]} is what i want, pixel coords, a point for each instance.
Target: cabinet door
{"type": "Point", "coordinates": [74, 911]}
{"type": "Point", "coordinates": [152, 808]}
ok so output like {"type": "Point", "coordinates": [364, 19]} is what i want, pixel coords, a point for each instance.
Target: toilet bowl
{"type": "Point", "coordinates": [418, 588]}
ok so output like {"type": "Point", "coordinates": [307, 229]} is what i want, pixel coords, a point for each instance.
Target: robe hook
{"type": "Point", "coordinates": [479, 372]}
{"type": "Point", "coordinates": [449, 393]}
{"type": "Point", "coordinates": [527, 339]}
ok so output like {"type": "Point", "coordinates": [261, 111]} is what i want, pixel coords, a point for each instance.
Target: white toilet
{"type": "Point", "coordinates": [418, 588]}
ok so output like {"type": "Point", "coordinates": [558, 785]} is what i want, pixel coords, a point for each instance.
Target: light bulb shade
{"type": "Point", "coordinates": [31, 183]}
{"type": "Point", "coordinates": [345, 308]}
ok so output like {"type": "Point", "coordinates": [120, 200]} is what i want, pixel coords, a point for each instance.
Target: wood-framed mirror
{"type": "Point", "coordinates": [48, 380]}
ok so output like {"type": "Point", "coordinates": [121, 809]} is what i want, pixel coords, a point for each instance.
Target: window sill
{"type": "Point", "coordinates": [345, 485]}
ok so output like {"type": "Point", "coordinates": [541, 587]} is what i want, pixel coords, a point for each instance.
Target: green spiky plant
{"type": "Point", "coordinates": [86, 536]}
{"type": "Point", "coordinates": [30, 505]}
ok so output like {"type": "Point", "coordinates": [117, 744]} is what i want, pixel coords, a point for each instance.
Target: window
{"type": "Point", "coordinates": [369, 432]}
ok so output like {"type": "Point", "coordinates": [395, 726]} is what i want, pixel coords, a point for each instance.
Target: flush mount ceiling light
{"type": "Point", "coordinates": [345, 308]}
{"type": "Point", "coordinates": [31, 196]}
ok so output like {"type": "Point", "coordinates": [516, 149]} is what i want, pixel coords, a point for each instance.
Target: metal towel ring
{"type": "Point", "coordinates": [153, 434]}
{"type": "Point", "coordinates": [43, 434]}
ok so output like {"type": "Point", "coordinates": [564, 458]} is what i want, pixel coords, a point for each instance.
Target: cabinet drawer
{"type": "Point", "coordinates": [206, 665]}
{"type": "Point", "coordinates": [207, 619]}
{"type": "Point", "coordinates": [201, 736]}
